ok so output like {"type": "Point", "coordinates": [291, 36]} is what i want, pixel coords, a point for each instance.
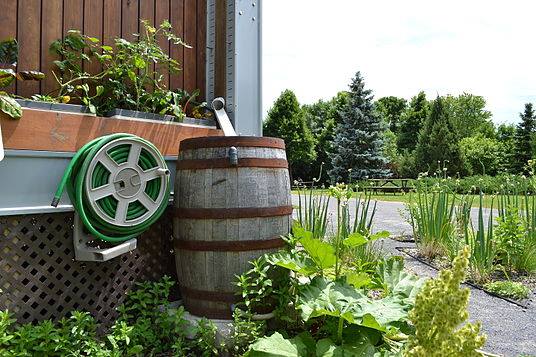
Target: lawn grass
{"type": "Point", "coordinates": [403, 197]}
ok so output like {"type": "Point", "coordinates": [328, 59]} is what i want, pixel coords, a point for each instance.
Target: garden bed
{"type": "Point", "coordinates": [442, 263]}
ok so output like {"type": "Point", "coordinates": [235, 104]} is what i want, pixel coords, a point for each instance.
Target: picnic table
{"type": "Point", "coordinates": [388, 185]}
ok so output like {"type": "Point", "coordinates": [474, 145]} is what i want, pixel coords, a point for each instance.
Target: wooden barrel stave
{"type": "Point", "coordinates": [206, 193]}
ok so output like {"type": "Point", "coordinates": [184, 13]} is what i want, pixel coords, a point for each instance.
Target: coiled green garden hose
{"type": "Point", "coordinates": [118, 184]}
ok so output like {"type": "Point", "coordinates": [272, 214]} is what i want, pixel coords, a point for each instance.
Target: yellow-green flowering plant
{"type": "Point", "coordinates": [440, 310]}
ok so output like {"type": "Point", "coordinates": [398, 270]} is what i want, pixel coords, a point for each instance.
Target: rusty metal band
{"type": "Point", "coordinates": [209, 295]}
{"type": "Point", "coordinates": [224, 163]}
{"type": "Point", "coordinates": [211, 313]}
{"type": "Point", "coordinates": [232, 213]}
{"type": "Point", "coordinates": [228, 246]}
{"type": "Point", "coordinates": [236, 141]}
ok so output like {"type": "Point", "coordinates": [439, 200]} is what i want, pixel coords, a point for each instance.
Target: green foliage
{"type": "Point", "coordinates": [358, 142]}
{"type": "Point", "coordinates": [130, 75]}
{"type": "Point", "coordinates": [440, 309]}
{"type": "Point", "coordinates": [412, 122]}
{"type": "Point", "coordinates": [524, 139]}
{"type": "Point", "coordinates": [480, 241]}
{"type": "Point", "coordinates": [391, 109]}
{"type": "Point", "coordinates": [286, 120]}
{"type": "Point", "coordinates": [468, 115]}
{"type": "Point", "coordinates": [9, 53]}
{"type": "Point", "coordinates": [482, 155]}
{"type": "Point", "coordinates": [321, 118]}
{"type": "Point", "coordinates": [325, 306]}
{"type": "Point", "coordinates": [509, 289]}
{"type": "Point", "coordinates": [146, 326]}
{"type": "Point", "coordinates": [506, 136]}
{"type": "Point", "coordinates": [438, 142]}
{"type": "Point", "coordinates": [432, 214]}
{"type": "Point", "coordinates": [515, 240]}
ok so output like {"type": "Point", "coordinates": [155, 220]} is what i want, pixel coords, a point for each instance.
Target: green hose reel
{"type": "Point", "coordinates": [119, 186]}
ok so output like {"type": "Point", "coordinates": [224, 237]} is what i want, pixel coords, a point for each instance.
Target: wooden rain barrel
{"type": "Point", "coordinates": [226, 214]}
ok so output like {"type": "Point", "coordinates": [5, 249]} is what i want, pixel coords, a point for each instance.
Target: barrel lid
{"type": "Point", "coordinates": [237, 141]}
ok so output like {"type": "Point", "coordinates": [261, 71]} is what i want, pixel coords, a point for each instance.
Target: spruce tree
{"type": "Point", "coordinates": [358, 141]}
{"type": "Point", "coordinates": [524, 139]}
{"type": "Point", "coordinates": [286, 120]}
{"type": "Point", "coordinates": [438, 142]}
{"type": "Point", "coordinates": [412, 123]}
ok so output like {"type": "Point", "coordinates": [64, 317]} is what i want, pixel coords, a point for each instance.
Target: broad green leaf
{"type": "Point", "coordinates": [139, 62]}
{"type": "Point", "coordinates": [379, 235]}
{"type": "Point", "coordinates": [107, 48]}
{"type": "Point", "coordinates": [355, 240]}
{"type": "Point", "coordinates": [295, 262]}
{"type": "Point", "coordinates": [299, 232]}
{"type": "Point", "coordinates": [358, 348]}
{"type": "Point", "coordinates": [380, 314]}
{"type": "Point", "coordinates": [100, 90]}
{"type": "Point", "coordinates": [399, 282]}
{"type": "Point", "coordinates": [358, 280]}
{"type": "Point", "coordinates": [277, 346]}
{"type": "Point", "coordinates": [328, 298]}
{"type": "Point", "coordinates": [322, 253]}
{"type": "Point", "coordinates": [7, 76]}
{"type": "Point", "coordinates": [10, 106]}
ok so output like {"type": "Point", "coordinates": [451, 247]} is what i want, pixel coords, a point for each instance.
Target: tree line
{"type": "Point", "coordinates": [354, 137]}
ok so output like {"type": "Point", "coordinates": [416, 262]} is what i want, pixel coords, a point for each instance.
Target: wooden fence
{"type": "Point", "coordinates": [36, 23]}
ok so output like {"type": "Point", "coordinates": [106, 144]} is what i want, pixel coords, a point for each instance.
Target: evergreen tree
{"type": "Point", "coordinates": [358, 142]}
{"type": "Point", "coordinates": [412, 122]}
{"type": "Point", "coordinates": [524, 139]}
{"type": "Point", "coordinates": [286, 120]}
{"type": "Point", "coordinates": [438, 142]}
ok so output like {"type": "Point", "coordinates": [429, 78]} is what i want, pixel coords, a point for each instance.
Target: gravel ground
{"type": "Point", "coordinates": [511, 329]}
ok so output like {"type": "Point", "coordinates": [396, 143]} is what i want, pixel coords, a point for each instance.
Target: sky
{"type": "Point", "coordinates": [487, 48]}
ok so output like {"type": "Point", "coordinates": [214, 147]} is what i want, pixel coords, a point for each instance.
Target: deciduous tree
{"type": "Point", "coordinates": [286, 120]}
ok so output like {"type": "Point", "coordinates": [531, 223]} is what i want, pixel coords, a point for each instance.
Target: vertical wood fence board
{"type": "Point", "coordinates": [111, 21]}
{"type": "Point", "coordinates": [190, 36]}
{"type": "Point", "coordinates": [162, 10]}
{"type": "Point", "coordinates": [29, 15]}
{"type": "Point", "coordinates": [177, 52]}
{"type": "Point", "coordinates": [51, 30]}
{"type": "Point", "coordinates": [93, 26]}
{"type": "Point", "coordinates": [147, 13]}
{"type": "Point", "coordinates": [201, 46]}
{"type": "Point", "coordinates": [129, 19]}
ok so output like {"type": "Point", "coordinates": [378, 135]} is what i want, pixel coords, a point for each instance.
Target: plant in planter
{"type": "Point", "coordinates": [129, 79]}
{"type": "Point", "coordinates": [9, 52]}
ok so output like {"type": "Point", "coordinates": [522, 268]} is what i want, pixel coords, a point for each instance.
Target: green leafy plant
{"type": "Point", "coordinates": [9, 53]}
{"type": "Point", "coordinates": [510, 289]}
{"type": "Point", "coordinates": [440, 309]}
{"type": "Point", "coordinates": [481, 241]}
{"type": "Point", "coordinates": [432, 215]}
{"type": "Point", "coordinates": [146, 326]}
{"type": "Point", "coordinates": [130, 75]}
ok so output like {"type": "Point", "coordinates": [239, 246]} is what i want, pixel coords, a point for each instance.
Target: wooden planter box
{"type": "Point", "coordinates": [39, 146]}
